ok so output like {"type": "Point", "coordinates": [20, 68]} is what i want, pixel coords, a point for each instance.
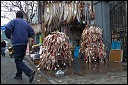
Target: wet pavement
{"type": "Point", "coordinates": [80, 73]}
{"type": "Point", "coordinates": [90, 73]}
{"type": "Point", "coordinates": [8, 70]}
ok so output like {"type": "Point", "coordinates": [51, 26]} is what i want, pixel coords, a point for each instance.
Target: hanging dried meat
{"type": "Point", "coordinates": [74, 11]}
{"type": "Point", "coordinates": [56, 48]}
{"type": "Point", "coordinates": [50, 14]}
{"type": "Point", "coordinates": [69, 12]}
{"type": "Point", "coordinates": [46, 13]}
{"type": "Point", "coordinates": [80, 11]}
{"type": "Point", "coordinates": [92, 44]}
{"type": "Point", "coordinates": [66, 12]}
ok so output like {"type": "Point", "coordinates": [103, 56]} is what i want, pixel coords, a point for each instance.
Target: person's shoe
{"type": "Point", "coordinates": [31, 76]}
{"type": "Point", "coordinates": [17, 77]}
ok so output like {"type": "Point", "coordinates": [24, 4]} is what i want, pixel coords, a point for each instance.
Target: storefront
{"type": "Point", "coordinates": [72, 17]}
{"type": "Point", "coordinates": [69, 17]}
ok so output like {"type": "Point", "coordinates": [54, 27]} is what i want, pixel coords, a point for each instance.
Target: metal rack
{"type": "Point", "coordinates": [118, 23]}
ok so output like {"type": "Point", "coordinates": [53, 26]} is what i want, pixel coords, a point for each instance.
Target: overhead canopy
{"type": "Point", "coordinates": [2, 27]}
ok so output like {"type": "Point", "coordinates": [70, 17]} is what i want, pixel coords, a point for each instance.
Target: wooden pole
{"type": "Point", "coordinates": [43, 26]}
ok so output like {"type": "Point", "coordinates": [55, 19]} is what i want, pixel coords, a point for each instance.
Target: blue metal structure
{"type": "Point", "coordinates": [102, 15]}
{"type": "Point", "coordinates": [3, 37]}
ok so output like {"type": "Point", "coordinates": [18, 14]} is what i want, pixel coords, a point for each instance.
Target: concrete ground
{"type": "Point", "coordinates": [110, 78]}
{"type": "Point", "coordinates": [94, 73]}
{"type": "Point", "coordinates": [8, 72]}
{"type": "Point", "coordinates": [114, 73]}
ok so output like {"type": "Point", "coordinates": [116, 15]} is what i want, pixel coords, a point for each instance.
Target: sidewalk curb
{"type": "Point", "coordinates": [38, 71]}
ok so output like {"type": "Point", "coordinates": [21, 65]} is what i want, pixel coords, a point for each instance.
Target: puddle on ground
{"type": "Point", "coordinates": [80, 67]}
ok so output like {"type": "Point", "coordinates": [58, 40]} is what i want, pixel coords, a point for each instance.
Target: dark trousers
{"type": "Point", "coordinates": [19, 53]}
{"type": "Point", "coordinates": [76, 64]}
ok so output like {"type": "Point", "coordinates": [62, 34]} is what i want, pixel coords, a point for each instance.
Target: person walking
{"type": "Point", "coordinates": [3, 47]}
{"type": "Point", "coordinates": [18, 30]}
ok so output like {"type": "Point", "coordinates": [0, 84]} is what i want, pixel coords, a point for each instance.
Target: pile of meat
{"type": "Point", "coordinates": [92, 46]}
{"type": "Point", "coordinates": [55, 49]}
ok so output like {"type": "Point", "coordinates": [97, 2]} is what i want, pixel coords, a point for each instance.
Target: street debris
{"type": "Point", "coordinates": [59, 73]}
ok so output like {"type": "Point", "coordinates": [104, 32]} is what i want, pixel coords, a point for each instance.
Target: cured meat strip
{"type": "Point", "coordinates": [54, 43]}
{"type": "Point", "coordinates": [92, 44]}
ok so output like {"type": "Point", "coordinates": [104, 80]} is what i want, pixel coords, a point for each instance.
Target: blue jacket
{"type": "Point", "coordinates": [18, 30]}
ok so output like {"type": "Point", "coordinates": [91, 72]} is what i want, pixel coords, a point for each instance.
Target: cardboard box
{"type": "Point", "coordinates": [116, 55]}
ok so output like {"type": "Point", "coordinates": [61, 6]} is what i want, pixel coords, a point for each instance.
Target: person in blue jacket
{"type": "Point", "coordinates": [76, 50]}
{"type": "Point", "coordinates": [76, 55]}
{"type": "Point", "coordinates": [18, 30]}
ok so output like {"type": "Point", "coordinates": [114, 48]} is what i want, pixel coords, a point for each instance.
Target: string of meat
{"type": "Point", "coordinates": [92, 44]}
{"type": "Point", "coordinates": [54, 43]}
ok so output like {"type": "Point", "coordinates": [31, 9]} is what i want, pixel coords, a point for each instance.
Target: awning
{"type": "Point", "coordinates": [3, 28]}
